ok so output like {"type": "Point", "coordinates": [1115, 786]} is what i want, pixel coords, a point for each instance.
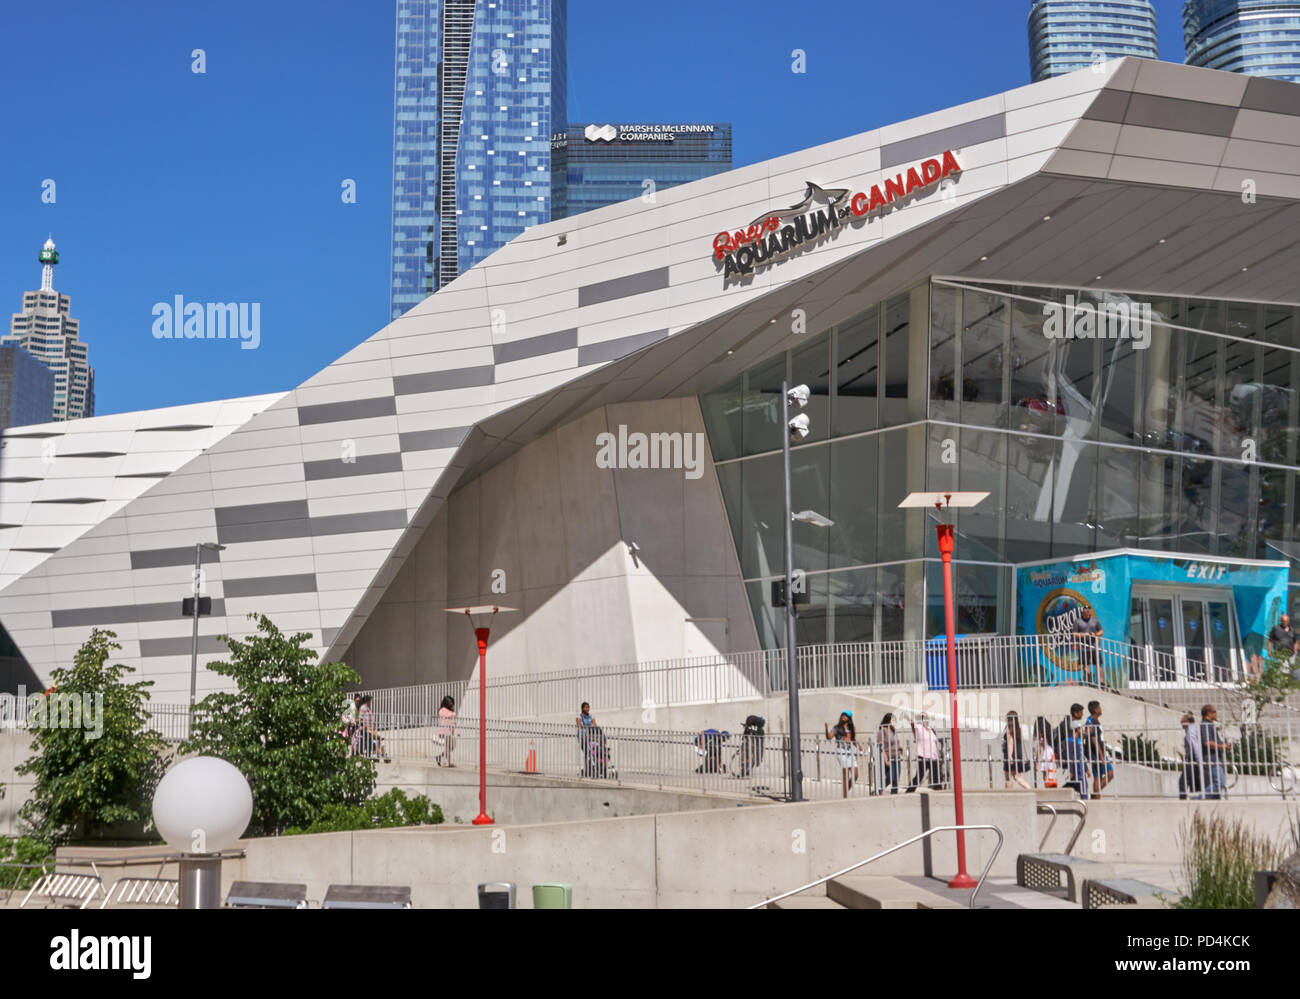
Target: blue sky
{"type": "Point", "coordinates": [225, 186]}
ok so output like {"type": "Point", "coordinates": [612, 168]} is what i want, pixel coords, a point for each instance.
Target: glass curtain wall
{"type": "Point", "coordinates": [1179, 436]}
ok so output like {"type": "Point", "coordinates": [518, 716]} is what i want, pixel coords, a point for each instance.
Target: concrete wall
{"type": "Point", "coordinates": [558, 528]}
{"type": "Point", "coordinates": [15, 747]}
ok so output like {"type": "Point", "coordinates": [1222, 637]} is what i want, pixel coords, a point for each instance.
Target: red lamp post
{"type": "Point", "coordinates": [481, 633]}
{"type": "Point", "coordinates": [945, 533]}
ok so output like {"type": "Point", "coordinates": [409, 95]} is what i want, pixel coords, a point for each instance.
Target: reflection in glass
{"type": "Point", "coordinates": [943, 353]}
{"type": "Point", "coordinates": [810, 365]}
{"type": "Point", "coordinates": [853, 507]}
{"type": "Point", "coordinates": [984, 343]}
{"type": "Point", "coordinates": [1118, 479]}
{"type": "Point", "coordinates": [857, 372]}
{"type": "Point", "coordinates": [722, 410]}
{"type": "Point", "coordinates": [762, 406]}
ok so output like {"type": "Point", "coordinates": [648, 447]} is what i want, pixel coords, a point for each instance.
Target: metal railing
{"type": "Point", "coordinates": [885, 853]}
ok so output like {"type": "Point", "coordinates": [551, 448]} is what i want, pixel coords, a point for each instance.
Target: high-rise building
{"type": "Point", "coordinates": [46, 330]}
{"type": "Point", "coordinates": [1066, 35]}
{"type": "Point", "coordinates": [605, 164]}
{"type": "Point", "coordinates": [478, 90]}
{"type": "Point", "coordinates": [1255, 37]}
{"type": "Point", "coordinates": [26, 388]}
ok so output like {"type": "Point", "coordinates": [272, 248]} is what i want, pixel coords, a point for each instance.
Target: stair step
{"type": "Point", "coordinates": [807, 902]}
{"type": "Point", "coordinates": [862, 891]}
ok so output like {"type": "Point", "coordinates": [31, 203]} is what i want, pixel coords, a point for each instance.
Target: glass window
{"type": "Point", "coordinates": [852, 596]}
{"type": "Point", "coordinates": [769, 620]}
{"type": "Point", "coordinates": [983, 468]}
{"type": "Point", "coordinates": [810, 365]}
{"type": "Point", "coordinates": [985, 332]}
{"type": "Point", "coordinates": [1121, 400]}
{"type": "Point", "coordinates": [899, 535]}
{"type": "Point", "coordinates": [1235, 519]}
{"type": "Point", "coordinates": [1200, 401]}
{"type": "Point", "coordinates": [812, 623]}
{"type": "Point", "coordinates": [977, 589]}
{"type": "Point", "coordinates": [1074, 498]}
{"type": "Point", "coordinates": [944, 308]}
{"type": "Point", "coordinates": [891, 594]}
{"type": "Point", "coordinates": [1118, 476]}
{"type": "Point", "coordinates": [762, 406]}
{"type": "Point", "coordinates": [809, 490]}
{"type": "Point", "coordinates": [1197, 528]}
{"type": "Point", "coordinates": [857, 371]}
{"type": "Point", "coordinates": [1028, 505]}
{"type": "Point", "coordinates": [897, 334]}
{"type": "Point", "coordinates": [1034, 404]}
{"type": "Point", "coordinates": [1274, 502]}
{"type": "Point", "coordinates": [854, 476]}
{"type": "Point", "coordinates": [722, 409]}
{"type": "Point", "coordinates": [764, 501]}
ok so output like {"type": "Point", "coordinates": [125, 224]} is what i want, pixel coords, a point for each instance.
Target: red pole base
{"type": "Point", "coordinates": [482, 819]}
{"type": "Point", "coordinates": [962, 880]}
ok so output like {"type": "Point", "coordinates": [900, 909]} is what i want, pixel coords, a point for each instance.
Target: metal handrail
{"type": "Point", "coordinates": [1083, 819]}
{"type": "Point", "coordinates": [862, 863]}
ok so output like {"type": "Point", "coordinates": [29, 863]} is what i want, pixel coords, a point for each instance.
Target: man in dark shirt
{"type": "Point", "coordinates": [1212, 750]}
{"type": "Point", "coordinates": [1282, 639]}
{"type": "Point", "coordinates": [1094, 748]}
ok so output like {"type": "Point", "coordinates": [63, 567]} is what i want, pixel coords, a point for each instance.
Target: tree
{"type": "Point", "coordinates": [280, 728]}
{"type": "Point", "coordinates": [1274, 683]}
{"type": "Point", "coordinates": [95, 760]}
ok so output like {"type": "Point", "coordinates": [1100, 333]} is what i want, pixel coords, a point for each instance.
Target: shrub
{"type": "Point", "coordinates": [1219, 862]}
{"type": "Point", "coordinates": [387, 811]}
{"type": "Point", "coordinates": [89, 779]}
{"type": "Point", "coordinates": [22, 850]}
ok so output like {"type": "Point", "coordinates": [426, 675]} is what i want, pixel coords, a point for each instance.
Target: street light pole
{"type": "Point", "coordinates": [199, 547]}
{"type": "Point", "coordinates": [791, 658]}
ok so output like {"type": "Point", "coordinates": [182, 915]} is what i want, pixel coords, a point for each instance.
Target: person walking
{"type": "Point", "coordinates": [1014, 763]}
{"type": "Point", "coordinates": [846, 748]}
{"type": "Point", "coordinates": [586, 725]}
{"type": "Point", "coordinates": [927, 754]}
{"type": "Point", "coordinates": [1190, 780]}
{"type": "Point", "coordinates": [1094, 750]}
{"type": "Point", "coordinates": [371, 744]}
{"type": "Point", "coordinates": [1044, 752]}
{"type": "Point", "coordinates": [1281, 639]}
{"type": "Point", "coordinates": [887, 747]}
{"type": "Point", "coordinates": [446, 729]}
{"type": "Point", "coordinates": [350, 716]}
{"type": "Point", "coordinates": [1213, 748]}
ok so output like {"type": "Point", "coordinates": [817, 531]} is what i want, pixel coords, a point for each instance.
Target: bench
{"type": "Point", "coordinates": [1043, 872]}
{"type": "Point", "coordinates": [65, 890]}
{"type": "Point", "coordinates": [143, 891]}
{"type": "Point", "coordinates": [1098, 892]}
{"type": "Point", "coordinates": [266, 895]}
{"type": "Point", "coordinates": [367, 897]}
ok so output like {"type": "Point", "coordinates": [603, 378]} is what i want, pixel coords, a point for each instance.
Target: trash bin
{"type": "Point", "coordinates": [936, 662]}
{"type": "Point", "coordinates": [496, 895]}
{"type": "Point", "coordinates": [553, 896]}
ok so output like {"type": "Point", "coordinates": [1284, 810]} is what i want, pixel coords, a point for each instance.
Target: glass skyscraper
{"type": "Point", "coordinates": [1067, 35]}
{"type": "Point", "coordinates": [1256, 37]}
{"type": "Point", "coordinates": [478, 89]}
{"type": "Point", "coordinates": [603, 164]}
{"type": "Point", "coordinates": [1183, 442]}
{"type": "Point", "coordinates": [26, 389]}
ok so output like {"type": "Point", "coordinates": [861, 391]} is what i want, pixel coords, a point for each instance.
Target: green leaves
{"type": "Point", "coordinates": [94, 759]}
{"type": "Point", "coordinates": [280, 728]}
{"type": "Point", "coordinates": [387, 811]}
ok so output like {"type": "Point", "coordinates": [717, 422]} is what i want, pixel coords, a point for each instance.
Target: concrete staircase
{"type": "Point", "coordinates": [862, 891]}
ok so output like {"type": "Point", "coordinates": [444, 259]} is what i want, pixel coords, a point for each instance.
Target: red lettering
{"type": "Point", "coordinates": [913, 180]}
{"type": "Point", "coordinates": [950, 164]}
{"type": "Point", "coordinates": [931, 171]}
{"type": "Point", "coordinates": [877, 199]}
{"type": "Point", "coordinates": [859, 204]}
{"type": "Point", "coordinates": [894, 187]}
{"type": "Point", "coordinates": [721, 245]}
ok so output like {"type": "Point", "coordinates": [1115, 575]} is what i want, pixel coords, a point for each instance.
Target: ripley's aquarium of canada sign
{"type": "Point", "coordinates": [821, 212]}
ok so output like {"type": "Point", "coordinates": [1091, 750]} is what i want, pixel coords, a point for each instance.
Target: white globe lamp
{"type": "Point", "coordinates": [202, 806]}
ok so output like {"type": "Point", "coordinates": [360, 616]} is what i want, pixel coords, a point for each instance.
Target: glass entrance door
{"type": "Point", "coordinates": [1182, 636]}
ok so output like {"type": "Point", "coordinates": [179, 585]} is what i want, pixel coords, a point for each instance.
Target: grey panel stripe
{"type": "Point", "coordinates": [262, 586]}
{"type": "Point", "coordinates": [208, 645]}
{"type": "Point", "coordinates": [438, 381]}
{"type": "Point", "coordinates": [1277, 96]}
{"type": "Point", "coordinates": [80, 617]}
{"type": "Point", "coordinates": [1174, 113]}
{"type": "Point", "coordinates": [258, 513]}
{"type": "Point", "coordinates": [309, 527]}
{"type": "Point", "coordinates": [327, 636]}
{"type": "Point", "coordinates": [356, 409]}
{"type": "Point", "coordinates": [622, 287]}
{"type": "Point", "coordinates": [1110, 105]}
{"type": "Point", "coordinates": [366, 464]}
{"type": "Point", "coordinates": [594, 353]}
{"type": "Point", "coordinates": [273, 530]}
{"type": "Point", "coordinates": [968, 133]}
{"type": "Point", "coordinates": [157, 558]}
{"type": "Point", "coordinates": [535, 346]}
{"type": "Point", "coordinates": [432, 440]}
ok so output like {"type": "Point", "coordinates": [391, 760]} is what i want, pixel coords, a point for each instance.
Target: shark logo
{"type": "Point", "coordinates": [604, 133]}
{"type": "Point", "coordinates": [822, 211]}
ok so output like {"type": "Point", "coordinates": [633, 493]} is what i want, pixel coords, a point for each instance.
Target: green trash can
{"type": "Point", "coordinates": [553, 896]}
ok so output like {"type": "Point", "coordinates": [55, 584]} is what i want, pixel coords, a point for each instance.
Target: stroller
{"type": "Point", "coordinates": [596, 760]}
{"type": "Point", "coordinates": [708, 745]}
{"type": "Point", "coordinates": [750, 753]}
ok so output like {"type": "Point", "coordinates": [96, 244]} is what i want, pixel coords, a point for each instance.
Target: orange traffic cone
{"type": "Point", "coordinates": [1049, 775]}
{"type": "Point", "coordinates": [530, 764]}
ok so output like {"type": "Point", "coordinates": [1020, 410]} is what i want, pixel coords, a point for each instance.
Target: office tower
{"type": "Point", "coordinates": [1066, 35]}
{"type": "Point", "coordinates": [26, 388]}
{"type": "Point", "coordinates": [1256, 37]}
{"type": "Point", "coordinates": [46, 330]}
{"type": "Point", "coordinates": [603, 164]}
{"type": "Point", "coordinates": [478, 90]}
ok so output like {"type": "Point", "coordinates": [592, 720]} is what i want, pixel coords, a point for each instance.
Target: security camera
{"type": "Point", "coordinates": [798, 396]}
{"type": "Point", "coordinates": [799, 428]}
